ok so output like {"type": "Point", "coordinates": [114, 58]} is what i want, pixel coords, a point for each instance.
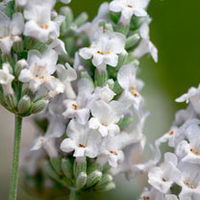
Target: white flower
{"type": "Point", "coordinates": [111, 151]}
{"type": "Point", "coordinates": [78, 108]}
{"type": "Point", "coordinates": [58, 46]}
{"type": "Point", "coordinates": [127, 80]}
{"type": "Point", "coordinates": [151, 194]}
{"type": "Point", "coordinates": [65, 1]}
{"type": "Point", "coordinates": [193, 96]}
{"type": "Point", "coordinates": [146, 46]}
{"type": "Point", "coordinates": [82, 140]}
{"type": "Point", "coordinates": [190, 151]}
{"type": "Point", "coordinates": [48, 144]}
{"type": "Point", "coordinates": [40, 69]}
{"type": "Point", "coordinates": [189, 180]}
{"type": "Point", "coordinates": [104, 93]}
{"type": "Point", "coordinates": [10, 30]}
{"type": "Point", "coordinates": [6, 79]}
{"type": "Point", "coordinates": [57, 124]}
{"type": "Point", "coordinates": [39, 24]}
{"type": "Point", "coordinates": [128, 8]}
{"type": "Point", "coordinates": [66, 75]}
{"type": "Point", "coordinates": [163, 177]}
{"type": "Point", "coordinates": [104, 49]}
{"type": "Point", "coordinates": [105, 117]}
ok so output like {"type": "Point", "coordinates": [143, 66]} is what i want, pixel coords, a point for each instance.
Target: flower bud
{"type": "Point", "coordinates": [105, 180]}
{"type": "Point", "coordinates": [80, 165]}
{"type": "Point", "coordinates": [125, 122]}
{"type": "Point", "coordinates": [24, 104]}
{"type": "Point", "coordinates": [109, 186]}
{"type": "Point", "coordinates": [132, 41]}
{"type": "Point", "coordinates": [81, 19]}
{"type": "Point", "coordinates": [56, 164]}
{"type": "Point", "coordinates": [51, 172]}
{"type": "Point", "coordinates": [39, 105]}
{"type": "Point", "coordinates": [18, 46]}
{"type": "Point", "coordinates": [101, 77]}
{"type": "Point", "coordinates": [124, 29]}
{"type": "Point", "coordinates": [67, 12]}
{"type": "Point", "coordinates": [21, 64]}
{"type": "Point", "coordinates": [81, 180]}
{"type": "Point", "coordinates": [93, 178]}
{"type": "Point", "coordinates": [67, 168]}
{"type": "Point", "coordinates": [11, 101]}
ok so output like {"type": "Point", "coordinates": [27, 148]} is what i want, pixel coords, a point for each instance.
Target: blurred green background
{"type": "Point", "coordinates": [175, 30]}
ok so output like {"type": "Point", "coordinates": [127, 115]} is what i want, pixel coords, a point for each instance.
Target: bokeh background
{"type": "Point", "coordinates": [175, 30]}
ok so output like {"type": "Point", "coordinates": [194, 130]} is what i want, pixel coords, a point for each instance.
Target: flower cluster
{"type": "Point", "coordinates": [178, 177]}
{"type": "Point", "coordinates": [94, 121]}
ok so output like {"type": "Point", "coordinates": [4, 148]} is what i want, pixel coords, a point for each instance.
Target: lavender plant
{"type": "Point", "coordinates": [178, 177]}
{"type": "Point", "coordinates": [79, 80]}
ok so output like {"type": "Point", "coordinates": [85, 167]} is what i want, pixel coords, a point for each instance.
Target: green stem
{"type": "Point", "coordinates": [16, 153]}
{"type": "Point", "coordinates": [73, 195]}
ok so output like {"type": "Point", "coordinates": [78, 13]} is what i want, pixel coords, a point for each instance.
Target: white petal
{"type": "Point", "coordinates": [68, 145]}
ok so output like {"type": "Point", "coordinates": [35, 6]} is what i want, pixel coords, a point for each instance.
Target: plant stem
{"type": "Point", "coordinates": [73, 195]}
{"type": "Point", "coordinates": [16, 153]}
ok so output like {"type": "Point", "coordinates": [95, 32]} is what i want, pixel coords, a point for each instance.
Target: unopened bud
{"type": "Point", "coordinates": [105, 180]}
{"type": "Point", "coordinates": [109, 186]}
{"type": "Point", "coordinates": [81, 19]}
{"type": "Point", "coordinates": [125, 122]}
{"type": "Point", "coordinates": [67, 12]}
{"type": "Point", "coordinates": [93, 178]}
{"type": "Point", "coordinates": [101, 77]}
{"type": "Point", "coordinates": [67, 168]}
{"type": "Point", "coordinates": [11, 101]}
{"type": "Point", "coordinates": [24, 104]}
{"type": "Point", "coordinates": [18, 46]}
{"type": "Point", "coordinates": [21, 64]}
{"type": "Point", "coordinates": [81, 180]}
{"type": "Point", "coordinates": [39, 105]}
{"type": "Point", "coordinates": [132, 41]}
{"type": "Point", "coordinates": [80, 165]}
{"type": "Point", "coordinates": [57, 163]}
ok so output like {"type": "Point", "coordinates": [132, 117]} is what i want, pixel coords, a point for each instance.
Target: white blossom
{"type": "Point", "coordinates": [104, 50]}
{"type": "Point", "coordinates": [40, 69]}
{"type": "Point", "coordinates": [105, 117]}
{"type": "Point", "coordinates": [128, 8]}
{"type": "Point", "coordinates": [146, 46]}
{"type": "Point", "coordinates": [10, 31]}
{"type": "Point", "coordinates": [6, 79]}
{"type": "Point", "coordinates": [82, 140]}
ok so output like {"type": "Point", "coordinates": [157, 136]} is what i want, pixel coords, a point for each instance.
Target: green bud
{"type": "Point", "coordinates": [84, 74]}
{"type": "Point", "coordinates": [117, 88]}
{"type": "Point", "coordinates": [132, 41]}
{"type": "Point", "coordinates": [67, 12]}
{"type": "Point", "coordinates": [109, 186]}
{"type": "Point", "coordinates": [122, 29]}
{"type": "Point", "coordinates": [93, 178]}
{"type": "Point", "coordinates": [109, 27]}
{"type": "Point", "coordinates": [115, 17]}
{"type": "Point", "coordinates": [105, 180]}
{"type": "Point", "coordinates": [24, 104]}
{"type": "Point", "coordinates": [51, 172]}
{"type": "Point", "coordinates": [125, 122]}
{"type": "Point", "coordinates": [81, 180]}
{"type": "Point", "coordinates": [80, 165]}
{"type": "Point", "coordinates": [101, 77]}
{"type": "Point", "coordinates": [81, 19]}
{"type": "Point", "coordinates": [39, 105]}
{"type": "Point", "coordinates": [21, 64]}
{"type": "Point", "coordinates": [57, 164]}
{"type": "Point", "coordinates": [93, 167]}
{"type": "Point", "coordinates": [67, 168]}
{"type": "Point", "coordinates": [11, 101]}
{"type": "Point", "coordinates": [18, 46]}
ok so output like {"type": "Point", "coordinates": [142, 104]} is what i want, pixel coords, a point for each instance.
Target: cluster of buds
{"type": "Point", "coordinates": [178, 177]}
{"type": "Point", "coordinates": [94, 121]}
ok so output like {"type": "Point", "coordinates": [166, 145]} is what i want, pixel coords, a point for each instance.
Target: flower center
{"type": "Point", "coordinates": [100, 52]}
{"type": "Point", "coordinates": [81, 145]}
{"type": "Point", "coordinates": [164, 180]}
{"type": "Point", "coordinates": [114, 152]}
{"type": "Point", "coordinates": [133, 92]}
{"type": "Point", "coordinates": [46, 26]}
{"type": "Point", "coordinates": [130, 6]}
{"type": "Point", "coordinates": [194, 151]}
{"type": "Point", "coordinates": [146, 198]}
{"type": "Point", "coordinates": [171, 133]}
{"type": "Point", "coordinates": [75, 106]}
{"type": "Point", "coordinates": [190, 186]}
